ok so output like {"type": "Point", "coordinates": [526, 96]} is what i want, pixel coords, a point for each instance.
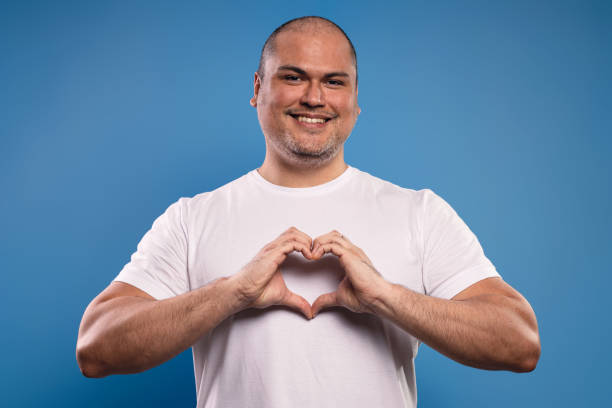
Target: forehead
{"type": "Point", "coordinates": [324, 50]}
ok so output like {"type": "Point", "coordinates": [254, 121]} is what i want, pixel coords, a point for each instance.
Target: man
{"type": "Point", "coordinates": [307, 282]}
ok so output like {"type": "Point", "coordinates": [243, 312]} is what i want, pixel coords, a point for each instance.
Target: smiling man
{"type": "Point", "coordinates": [306, 99]}
{"type": "Point", "coordinates": [307, 282]}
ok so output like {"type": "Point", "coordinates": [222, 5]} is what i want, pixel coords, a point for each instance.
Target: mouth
{"type": "Point", "coordinates": [311, 121]}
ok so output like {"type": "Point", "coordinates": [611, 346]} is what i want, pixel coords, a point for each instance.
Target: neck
{"type": "Point", "coordinates": [289, 175]}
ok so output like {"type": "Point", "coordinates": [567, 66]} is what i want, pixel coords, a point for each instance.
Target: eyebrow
{"type": "Point", "coordinates": [302, 72]}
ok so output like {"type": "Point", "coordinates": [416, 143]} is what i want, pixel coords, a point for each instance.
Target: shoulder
{"type": "Point", "coordinates": [382, 188]}
{"type": "Point", "coordinates": [208, 198]}
{"type": "Point", "coordinates": [202, 205]}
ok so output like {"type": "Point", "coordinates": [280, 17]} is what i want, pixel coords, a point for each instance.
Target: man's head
{"type": "Point", "coordinates": [305, 91]}
{"type": "Point", "coordinates": [297, 24]}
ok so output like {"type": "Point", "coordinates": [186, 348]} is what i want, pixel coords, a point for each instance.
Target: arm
{"type": "Point", "coordinates": [489, 325]}
{"type": "Point", "coordinates": [124, 330]}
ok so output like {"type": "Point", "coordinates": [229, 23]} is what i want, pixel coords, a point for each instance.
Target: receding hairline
{"type": "Point", "coordinates": [302, 24]}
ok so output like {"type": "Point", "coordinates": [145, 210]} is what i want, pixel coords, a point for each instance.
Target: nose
{"type": "Point", "coordinates": [313, 95]}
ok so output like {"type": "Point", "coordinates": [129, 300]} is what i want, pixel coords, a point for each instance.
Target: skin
{"type": "Point", "coordinates": [311, 72]}
{"type": "Point", "coordinates": [489, 325]}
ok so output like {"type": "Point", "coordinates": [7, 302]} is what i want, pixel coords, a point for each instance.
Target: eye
{"type": "Point", "coordinates": [335, 82]}
{"type": "Point", "coordinates": [292, 78]}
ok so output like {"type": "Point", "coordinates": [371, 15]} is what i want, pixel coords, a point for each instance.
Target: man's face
{"type": "Point", "coordinates": [307, 101]}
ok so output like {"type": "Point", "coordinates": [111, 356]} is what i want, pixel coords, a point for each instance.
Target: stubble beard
{"type": "Point", "coordinates": [306, 156]}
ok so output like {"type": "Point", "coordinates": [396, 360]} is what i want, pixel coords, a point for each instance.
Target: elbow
{"type": "Point", "coordinates": [527, 360]}
{"type": "Point", "coordinates": [530, 361]}
{"type": "Point", "coordinates": [90, 371]}
{"type": "Point", "coordinates": [88, 365]}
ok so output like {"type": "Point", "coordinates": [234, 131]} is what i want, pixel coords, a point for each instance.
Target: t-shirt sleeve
{"type": "Point", "coordinates": [453, 258]}
{"type": "Point", "coordinates": [159, 265]}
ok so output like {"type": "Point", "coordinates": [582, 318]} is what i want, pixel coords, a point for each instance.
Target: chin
{"type": "Point", "coordinates": [300, 152]}
{"type": "Point", "coordinates": [308, 158]}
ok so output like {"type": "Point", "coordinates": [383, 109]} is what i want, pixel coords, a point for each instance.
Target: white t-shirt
{"type": "Point", "coordinates": [275, 357]}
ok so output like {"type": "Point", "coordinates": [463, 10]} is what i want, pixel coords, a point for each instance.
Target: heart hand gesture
{"type": "Point", "coordinates": [260, 282]}
{"type": "Point", "coordinates": [362, 285]}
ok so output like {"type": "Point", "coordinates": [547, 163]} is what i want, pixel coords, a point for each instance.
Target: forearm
{"type": "Point", "coordinates": [130, 334]}
{"type": "Point", "coordinates": [489, 331]}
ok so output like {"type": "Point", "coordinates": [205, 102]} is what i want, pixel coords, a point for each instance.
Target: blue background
{"type": "Point", "coordinates": [111, 111]}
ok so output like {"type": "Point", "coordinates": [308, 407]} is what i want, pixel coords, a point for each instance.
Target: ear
{"type": "Point", "coordinates": [356, 95]}
{"type": "Point", "coordinates": [256, 86]}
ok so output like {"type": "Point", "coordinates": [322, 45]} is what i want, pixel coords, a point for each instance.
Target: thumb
{"type": "Point", "coordinates": [324, 301]}
{"type": "Point", "coordinates": [298, 303]}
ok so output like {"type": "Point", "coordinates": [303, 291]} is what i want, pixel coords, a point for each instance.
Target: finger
{"type": "Point", "coordinates": [298, 303]}
{"type": "Point", "coordinates": [321, 238]}
{"type": "Point", "coordinates": [345, 239]}
{"type": "Point", "coordinates": [324, 301]}
{"type": "Point", "coordinates": [333, 236]}
{"type": "Point", "coordinates": [293, 237]}
{"type": "Point", "coordinates": [293, 232]}
{"type": "Point", "coordinates": [293, 245]}
{"type": "Point", "coordinates": [277, 252]}
{"type": "Point", "coordinates": [332, 247]}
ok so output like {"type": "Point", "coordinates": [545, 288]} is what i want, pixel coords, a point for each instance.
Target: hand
{"type": "Point", "coordinates": [260, 282]}
{"type": "Point", "coordinates": [362, 284]}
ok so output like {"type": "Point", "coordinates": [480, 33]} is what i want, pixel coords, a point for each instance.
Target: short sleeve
{"type": "Point", "coordinates": [159, 265]}
{"type": "Point", "coordinates": [453, 258]}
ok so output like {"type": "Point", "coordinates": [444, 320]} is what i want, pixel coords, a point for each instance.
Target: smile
{"type": "Point", "coordinates": [311, 122]}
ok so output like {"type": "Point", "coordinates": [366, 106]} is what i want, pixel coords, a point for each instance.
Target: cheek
{"type": "Point", "coordinates": [344, 103]}
{"type": "Point", "coordinates": [282, 95]}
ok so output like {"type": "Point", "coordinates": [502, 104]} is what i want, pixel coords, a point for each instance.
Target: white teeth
{"type": "Point", "coordinates": [310, 120]}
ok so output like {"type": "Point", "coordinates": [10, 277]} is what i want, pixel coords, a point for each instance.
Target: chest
{"type": "Point", "coordinates": [227, 237]}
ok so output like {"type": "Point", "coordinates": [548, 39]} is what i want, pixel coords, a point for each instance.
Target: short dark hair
{"type": "Point", "coordinates": [268, 47]}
